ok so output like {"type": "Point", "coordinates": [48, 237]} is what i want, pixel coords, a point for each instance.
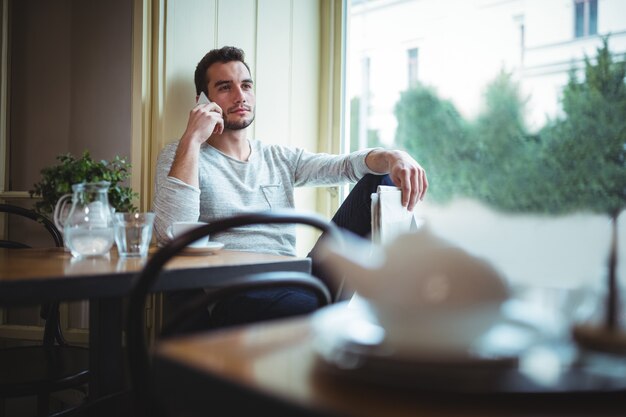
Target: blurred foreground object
{"type": "Point", "coordinates": [608, 336]}
{"type": "Point", "coordinates": [425, 292]}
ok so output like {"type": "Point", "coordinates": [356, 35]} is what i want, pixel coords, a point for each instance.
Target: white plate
{"type": "Point", "coordinates": [209, 248]}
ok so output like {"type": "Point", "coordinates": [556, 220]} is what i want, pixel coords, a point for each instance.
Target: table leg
{"type": "Point", "coordinates": [105, 347]}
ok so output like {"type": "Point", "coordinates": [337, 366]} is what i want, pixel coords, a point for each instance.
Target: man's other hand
{"type": "Point", "coordinates": [404, 171]}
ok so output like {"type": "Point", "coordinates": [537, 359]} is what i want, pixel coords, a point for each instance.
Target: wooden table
{"type": "Point", "coordinates": [273, 367]}
{"type": "Point", "coordinates": [33, 276]}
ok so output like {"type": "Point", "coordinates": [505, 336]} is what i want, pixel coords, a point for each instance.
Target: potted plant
{"type": "Point", "coordinates": [57, 180]}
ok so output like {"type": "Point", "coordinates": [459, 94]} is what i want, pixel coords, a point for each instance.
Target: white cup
{"type": "Point", "coordinates": [178, 228]}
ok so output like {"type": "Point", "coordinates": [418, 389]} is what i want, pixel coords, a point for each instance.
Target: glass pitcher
{"type": "Point", "coordinates": [88, 226]}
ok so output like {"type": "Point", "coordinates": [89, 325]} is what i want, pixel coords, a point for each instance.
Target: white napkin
{"type": "Point", "coordinates": [389, 218]}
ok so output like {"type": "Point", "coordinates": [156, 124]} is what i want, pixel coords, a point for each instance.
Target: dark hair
{"type": "Point", "coordinates": [224, 54]}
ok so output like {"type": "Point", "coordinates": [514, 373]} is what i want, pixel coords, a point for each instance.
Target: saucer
{"type": "Point", "coordinates": [351, 342]}
{"type": "Point", "coordinates": [210, 247]}
{"type": "Point", "coordinates": [514, 356]}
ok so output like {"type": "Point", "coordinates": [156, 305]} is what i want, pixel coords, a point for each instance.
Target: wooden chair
{"type": "Point", "coordinates": [142, 379]}
{"type": "Point", "coordinates": [51, 366]}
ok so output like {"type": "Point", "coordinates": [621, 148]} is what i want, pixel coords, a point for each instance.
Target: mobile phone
{"type": "Point", "coordinates": [203, 99]}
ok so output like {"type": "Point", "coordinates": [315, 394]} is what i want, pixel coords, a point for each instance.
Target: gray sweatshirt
{"type": "Point", "coordinates": [265, 182]}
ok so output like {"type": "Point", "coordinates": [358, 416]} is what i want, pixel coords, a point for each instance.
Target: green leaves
{"type": "Point", "coordinates": [576, 162]}
{"type": "Point", "coordinates": [589, 143]}
{"type": "Point", "coordinates": [434, 132]}
{"type": "Point", "coordinates": [57, 180]}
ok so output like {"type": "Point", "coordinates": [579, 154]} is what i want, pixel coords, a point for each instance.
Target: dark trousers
{"type": "Point", "coordinates": [354, 215]}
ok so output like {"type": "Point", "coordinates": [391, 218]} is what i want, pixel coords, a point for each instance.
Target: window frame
{"type": "Point", "coordinates": [412, 66]}
{"type": "Point", "coordinates": [585, 22]}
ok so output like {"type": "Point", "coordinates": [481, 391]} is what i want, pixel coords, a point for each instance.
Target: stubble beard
{"type": "Point", "coordinates": [237, 125]}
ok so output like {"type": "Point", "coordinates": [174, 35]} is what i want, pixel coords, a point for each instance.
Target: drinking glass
{"type": "Point", "coordinates": [133, 232]}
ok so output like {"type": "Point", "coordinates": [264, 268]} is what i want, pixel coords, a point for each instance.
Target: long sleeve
{"type": "Point", "coordinates": [325, 169]}
{"type": "Point", "coordinates": [174, 200]}
{"type": "Point", "coordinates": [229, 187]}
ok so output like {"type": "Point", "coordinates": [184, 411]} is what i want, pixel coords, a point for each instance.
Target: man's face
{"type": "Point", "coordinates": [230, 87]}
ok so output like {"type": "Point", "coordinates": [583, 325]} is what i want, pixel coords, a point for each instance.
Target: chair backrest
{"type": "Point", "coordinates": [139, 357]}
{"type": "Point", "coordinates": [243, 283]}
{"type": "Point", "coordinates": [32, 215]}
{"type": "Point", "coordinates": [49, 311]}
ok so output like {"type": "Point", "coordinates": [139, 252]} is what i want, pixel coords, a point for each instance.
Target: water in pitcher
{"type": "Point", "coordinates": [89, 242]}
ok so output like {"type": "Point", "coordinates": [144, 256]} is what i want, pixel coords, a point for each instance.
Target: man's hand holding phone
{"type": "Point", "coordinates": [205, 119]}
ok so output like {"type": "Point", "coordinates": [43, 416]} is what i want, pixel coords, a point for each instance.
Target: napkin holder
{"type": "Point", "coordinates": [389, 217]}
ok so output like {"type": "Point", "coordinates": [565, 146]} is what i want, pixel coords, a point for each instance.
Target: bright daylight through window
{"type": "Point", "coordinates": [516, 111]}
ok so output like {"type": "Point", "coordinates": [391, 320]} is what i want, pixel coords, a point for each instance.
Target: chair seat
{"type": "Point", "coordinates": [27, 370]}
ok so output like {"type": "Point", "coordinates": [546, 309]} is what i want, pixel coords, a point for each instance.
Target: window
{"type": "Point", "coordinates": [360, 110]}
{"type": "Point", "coordinates": [485, 119]}
{"type": "Point", "coordinates": [365, 86]}
{"type": "Point", "coordinates": [412, 55]}
{"type": "Point", "coordinates": [585, 18]}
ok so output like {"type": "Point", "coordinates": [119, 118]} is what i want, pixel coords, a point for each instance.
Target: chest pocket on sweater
{"type": "Point", "coordinates": [275, 196]}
